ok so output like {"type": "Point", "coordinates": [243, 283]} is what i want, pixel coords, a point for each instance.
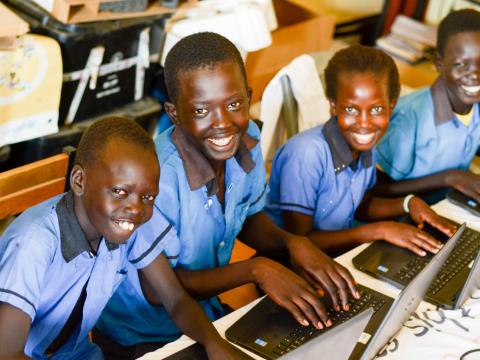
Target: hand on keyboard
{"type": "Point", "coordinates": [322, 272]}
{"type": "Point", "coordinates": [291, 292]}
{"type": "Point", "coordinates": [409, 237]}
{"type": "Point", "coordinates": [421, 213]}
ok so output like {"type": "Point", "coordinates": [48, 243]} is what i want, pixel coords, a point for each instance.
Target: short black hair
{"type": "Point", "coordinates": [460, 21]}
{"type": "Point", "coordinates": [199, 50]}
{"type": "Point", "coordinates": [361, 59]}
{"type": "Point", "coordinates": [101, 132]}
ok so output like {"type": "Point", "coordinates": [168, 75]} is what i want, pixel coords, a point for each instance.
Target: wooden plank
{"type": "Point", "coordinates": [11, 25]}
{"type": "Point", "coordinates": [29, 175]}
{"type": "Point", "coordinates": [19, 201]}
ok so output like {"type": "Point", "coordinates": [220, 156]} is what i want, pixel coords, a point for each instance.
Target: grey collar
{"type": "Point", "coordinates": [72, 238]}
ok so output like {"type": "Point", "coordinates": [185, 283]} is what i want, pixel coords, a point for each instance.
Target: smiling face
{"type": "Point", "coordinates": [212, 107]}
{"type": "Point", "coordinates": [116, 193]}
{"type": "Point", "coordinates": [460, 67]}
{"type": "Point", "coordinates": [362, 107]}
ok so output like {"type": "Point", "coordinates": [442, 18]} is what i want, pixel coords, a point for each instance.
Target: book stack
{"type": "Point", "coordinates": [409, 40]}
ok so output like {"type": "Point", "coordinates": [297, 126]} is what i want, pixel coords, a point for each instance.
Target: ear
{"type": "Point", "coordinates": [171, 111]}
{"type": "Point", "coordinates": [333, 107]}
{"type": "Point", "coordinates": [393, 104]}
{"type": "Point", "coordinates": [249, 94]}
{"type": "Point", "coordinates": [437, 60]}
{"type": "Point", "coordinates": [77, 180]}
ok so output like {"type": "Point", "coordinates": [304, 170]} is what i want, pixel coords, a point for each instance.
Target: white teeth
{"type": "Point", "coordinates": [125, 225]}
{"type": "Point", "coordinates": [221, 141]}
{"type": "Point", "coordinates": [471, 89]}
{"type": "Point", "coordinates": [364, 138]}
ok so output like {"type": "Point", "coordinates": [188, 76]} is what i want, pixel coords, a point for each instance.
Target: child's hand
{"type": "Point", "coordinates": [420, 213]}
{"type": "Point", "coordinates": [409, 237]}
{"type": "Point", "coordinates": [466, 182]}
{"type": "Point", "coordinates": [290, 292]}
{"type": "Point", "coordinates": [222, 350]}
{"type": "Point", "coordinates": [322, 272]}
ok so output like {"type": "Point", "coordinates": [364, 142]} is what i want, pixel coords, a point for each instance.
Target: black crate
{"type": "Point", "coordinates": [115, 84]}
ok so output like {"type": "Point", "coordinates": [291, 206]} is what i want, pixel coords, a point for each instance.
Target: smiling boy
{"type": "Point", "coordinates": [435, 132]}
{"type": "Point", "coordinates": [214, 189]}
{"type": "Point", "coordinates": [321, 178]}
{"type": "Point", "coordinates": [61, 260]}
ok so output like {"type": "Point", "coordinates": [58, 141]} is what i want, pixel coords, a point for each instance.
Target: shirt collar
{"type": "Point", "coordinates": [197, 168]}
{"type": "Point", "coordinates": [442, 108]}
{"type": "Point", "coordinates": [341, 153]}
{"type": "Point", "coordinates": [72, 238]}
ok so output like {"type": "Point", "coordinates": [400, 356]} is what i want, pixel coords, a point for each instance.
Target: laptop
{"type": "Point", "coordinates": [398, 266]}
{"type": "Point", "coordinates": [346, 334]}
{"type": "Point", "coordinates": [464, 202]}
{"type": "Point", "coordinates": [197, 352]}
{"type": "Point", "coordinates": [270, 331]}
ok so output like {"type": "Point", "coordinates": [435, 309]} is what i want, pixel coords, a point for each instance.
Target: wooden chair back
{"type": "Point", "coordinates": [28, 185]}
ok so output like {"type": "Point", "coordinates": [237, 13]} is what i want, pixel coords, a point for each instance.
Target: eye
{"type": "Point", "coordinates": [376, 110]}
{"type": "Point", "coordinates": [149, 198]}
{"type": "Point", "coordinates": [233, 105]}
{"type": "Point", "coordinates": [201, 112]}
{"type": "Point", "coordinates": [460, 64]}
{"type": "Point", "coordinates": [351, 110]}
{"type": "Point", "coordinates": [118, 192]}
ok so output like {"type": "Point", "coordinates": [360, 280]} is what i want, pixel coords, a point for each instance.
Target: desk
{"type": "Point", "coordinates": [428, 334]}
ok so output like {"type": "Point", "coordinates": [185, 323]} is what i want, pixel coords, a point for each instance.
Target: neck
{"type": "Point", "coordinates": [458, 107]}
{"type": "Point", "coordinates": [92, 235]}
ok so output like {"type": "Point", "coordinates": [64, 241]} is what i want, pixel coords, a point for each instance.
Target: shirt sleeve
{"type": "Point", "coordinates": [259, 176]}
{"type": "Point", "coordinates": [300, 172]}
{"type": "Point", "coordinates": [396, 150]}
{"type": "Point", "coordinates": [159, 234]}
{"type": "Point", "coordinates": [24, 260]}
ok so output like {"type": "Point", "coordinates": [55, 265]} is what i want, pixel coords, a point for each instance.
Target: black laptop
{"type": "Point", "coordinates": [270, 331]}
{"type": "Point", "coordinates": [398, 266]}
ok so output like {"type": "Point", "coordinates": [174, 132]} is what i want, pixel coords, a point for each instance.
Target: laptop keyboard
{"type": "Point", "coordinates": [302, 334]}
{"type": "Point", "coordinates": [461, 256]}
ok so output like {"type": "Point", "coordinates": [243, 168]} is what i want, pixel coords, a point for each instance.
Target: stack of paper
{"type": "Point", "coordinates": [409, 39]}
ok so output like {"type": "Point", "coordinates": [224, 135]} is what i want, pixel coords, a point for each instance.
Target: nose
{"type": "Point", "coordinates": [364, 119]}
{"type": "Point", "coordinates": [219, 118]}
{"type": "Point", "coordinates": [135, 206]}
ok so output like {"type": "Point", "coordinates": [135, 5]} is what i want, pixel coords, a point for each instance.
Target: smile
{"type": "Point", "coordinates": [125, 225]}
{"type": "Point", "coordinates": [471, 90]}
{"type": "Point", "coordinates": [220, 142]}
{"type": "Point", "coordinates": [363, 139]}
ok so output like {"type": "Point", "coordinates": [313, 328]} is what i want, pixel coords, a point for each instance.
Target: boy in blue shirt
{"type": "Point", "coordinates": [60, 261]}
{"type": "Point", "coordinates": [320, 178]}
{"type": "Point", "coordinates": [435, 132]}
{"type": "Point", "coordinates": [213, 189]}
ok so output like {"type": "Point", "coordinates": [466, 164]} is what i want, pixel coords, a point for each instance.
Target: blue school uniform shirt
{"type": "Point", "coordinates": [205, 233]}
{"type": "Point", "coordinates": [424, 136]}
{"type": "Point", "coordinates": [314, 174]}
{"type": "Point", "coordinates": [45, 263]}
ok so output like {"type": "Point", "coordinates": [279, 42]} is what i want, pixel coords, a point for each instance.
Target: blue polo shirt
{"type": "Point", "coordinates": [424, 136]}
{"type": "Point", "coordinates": [205, 232]}
{"type": "Point", "coordinates": [45, 264]}
{"type": "Point", "coordinates": [314, 174]}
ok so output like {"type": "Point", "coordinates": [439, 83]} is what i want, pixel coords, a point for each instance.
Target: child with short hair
{"type": "Point", "coordinates": [213, 190]}
{"type": "Point", "coordinates": [435, 132]}
{"type": "Point", "coordinates": [321, 178]}
{"type": "Point", "coordinates": [61, 260]}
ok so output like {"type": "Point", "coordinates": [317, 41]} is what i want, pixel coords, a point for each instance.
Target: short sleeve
{"type": "Point", "coordinates": [396, 150]}
{"type": "Point", "coordinates": [159, 234]}
{"type": "Point", "coordinates": [151, 239]}
{"type": "Point", "coordinates": [23, 263]}
{"type": "Point", "coordinates": [258, 176]}
{"type": "Point", "coordinates": [299, 173]}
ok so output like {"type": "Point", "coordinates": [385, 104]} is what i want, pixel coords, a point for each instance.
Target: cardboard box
{"type": "Point", "coordinates": [300, 31]}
